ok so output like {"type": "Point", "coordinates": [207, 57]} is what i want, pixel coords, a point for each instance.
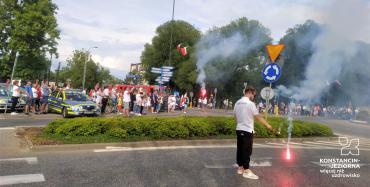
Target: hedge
{"type": "Point", "coordinates": [154, 128]}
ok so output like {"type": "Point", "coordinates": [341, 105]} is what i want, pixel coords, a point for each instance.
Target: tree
{"type": "Point", "coordinates": [28, 27]}
{"type": "Point", "coordinates": [156, 54]}
{"type": "Point", "coordinates": [95, 73]}
{"type": "Point", "coordinates": [298, 51]}
{"type": "Point", "coordinates": [228, 74]}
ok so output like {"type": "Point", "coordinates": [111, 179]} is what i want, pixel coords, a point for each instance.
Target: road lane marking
{"type": "Point", "coordinates": [113, 149]}
{"type": "Point", "coordinates": [7, 128]}
{"type": "Point", "coordinates": [29, 160]}
{"type": "Point", "coordinates": [21, 179]}
{"type": "Point", "coordinates": [320, 144]}
{"type": "Point", "coordinates": [251, 163]}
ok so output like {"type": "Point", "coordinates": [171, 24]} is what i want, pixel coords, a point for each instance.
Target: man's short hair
{"type": "Point", "coordinates": [250, 89]}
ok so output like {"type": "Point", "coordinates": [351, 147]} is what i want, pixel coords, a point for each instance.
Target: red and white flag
{"type": "Point", "coordinates": [179, 48]}
{"type": "Point", "coordinates": [183, 51]}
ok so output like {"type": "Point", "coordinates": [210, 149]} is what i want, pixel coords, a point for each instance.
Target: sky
{"type": "Point", "coordinates": [120, 28]}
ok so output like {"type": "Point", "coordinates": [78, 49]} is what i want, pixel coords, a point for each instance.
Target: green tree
{"type": "Point", "coordinates": [28, 27]}
{"type": "Point", "coordinates": [156, 54]}
{"type": "Point", "coordinates": [95, 73]}
{"type": "Point", "coordinates": [229, 74]}
{"type": "Point", "coordinates": [298, 51]}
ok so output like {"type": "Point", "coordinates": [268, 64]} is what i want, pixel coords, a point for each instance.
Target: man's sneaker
{"type": "Point", "coordinates": [13, 113]}
{"type": "Point", "coordinates": [249, 174]}
{"type": "Point", "coordinates": [240, 170]}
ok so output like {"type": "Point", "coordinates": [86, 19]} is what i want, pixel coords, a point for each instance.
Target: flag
{"type": "Point", "coordinates": [183, 51]}
{"type": "Point", "coordinates": [179, 48]}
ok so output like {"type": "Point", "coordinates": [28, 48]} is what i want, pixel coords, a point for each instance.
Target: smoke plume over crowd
{"type": "Point", "coordinates": [338, 49]}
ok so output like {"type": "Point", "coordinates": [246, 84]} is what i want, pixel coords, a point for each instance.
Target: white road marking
{"type": "Point", "coordinates": [21, 179]}
{"type": "Point", "coordinates": [304, 145]}
{"type": "Point", "coordinates": [252, 163]}
{"type": "Point", "coordinates": [29, 160]}
{"type": "Point", "coordinates": [113, 149]}
{"type": "Point", "coordinates": [7, 128]}
{"type": "Point", "coordinates": [320, 144]}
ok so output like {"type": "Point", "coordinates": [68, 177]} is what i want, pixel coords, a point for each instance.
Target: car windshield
{"type": "Point", "coordinates": [76, 97]}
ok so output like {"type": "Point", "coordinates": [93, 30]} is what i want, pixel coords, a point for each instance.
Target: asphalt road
{"type": "Point", "coordinates": [182, 167]}
{"type": "Point", "coordinates": [345, 127]}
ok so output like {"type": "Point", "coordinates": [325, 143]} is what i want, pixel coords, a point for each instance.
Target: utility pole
{"type": "Point", "coordinates": [172, 22]}
{"type": "Point", "coordinates": [87, 59]}
{"type": "Point", "coordinates": [57, 76]}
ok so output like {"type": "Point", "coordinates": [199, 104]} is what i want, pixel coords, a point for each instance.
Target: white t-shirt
{"type": "Point", "coordinates": [113, 94]}
{"type": "Point", "coordinates": [16, 92]}
{"type": "Point", "coordinates": [34, 93]}
{"type": "Point", "coordinates": [244, 111]}
{"type": "Point", "coordinates": [138, 99]}
{"type": "Point", "coordinates": [204, 101]}
{"type": "Point", "coordinates": [126, 97]}
{"type": "Point", "coordinates": [106, 92]}
{"type": "Point", "coordinates": [171, 100]}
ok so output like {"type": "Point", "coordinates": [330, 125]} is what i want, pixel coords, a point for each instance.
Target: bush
{"type": "Point", "coordinates": [174, 127]}
{"type": "Point", "coordinates": [117, 132]}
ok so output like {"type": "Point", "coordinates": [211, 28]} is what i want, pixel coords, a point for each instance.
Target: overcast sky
{"type": "Point", "coordinates": [120, 28]}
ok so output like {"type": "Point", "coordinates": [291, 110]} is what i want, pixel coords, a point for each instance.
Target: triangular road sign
{"type": "Point", "coordinates": [274, 51]}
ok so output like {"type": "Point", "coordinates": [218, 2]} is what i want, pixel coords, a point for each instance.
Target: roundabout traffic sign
{"type": "Point", "coordinates": [271, 73]}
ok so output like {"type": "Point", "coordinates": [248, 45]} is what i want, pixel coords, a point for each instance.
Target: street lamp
{"type": "Point", "coordinates": [83, 82]}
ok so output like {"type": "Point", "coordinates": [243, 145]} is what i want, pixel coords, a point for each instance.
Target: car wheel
{"type": "Point", "coordinates": [65, 112]}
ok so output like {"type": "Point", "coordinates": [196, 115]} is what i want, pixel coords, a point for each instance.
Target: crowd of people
{"type": "Point", "coordinates": [34, 94]}
{"type": "Point", "coordinates": [298, 109]}
{"type": "Point", "coordinates": [109, 99]}
{"type": "Point", "coordinates": [136, 101]}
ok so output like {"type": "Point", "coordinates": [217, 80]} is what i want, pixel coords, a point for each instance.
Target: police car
{"type": "Point", "coordinates": [72, 102]}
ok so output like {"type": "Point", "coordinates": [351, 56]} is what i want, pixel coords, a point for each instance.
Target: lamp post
{"type": "Point", "coordinates": [84, 77]}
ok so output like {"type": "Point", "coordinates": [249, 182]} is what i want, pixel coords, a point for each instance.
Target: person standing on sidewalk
{"type": "Point", "coordinates": [28, 98]}
{"type": "Point", "coordinates": [105, 98]}
{"type": "Point", "coordinates": [45, 91]}
{"type": "Point", "coordinates": [245, 111]}
{"type": "Point", "coordinates": [16, 94]}
{"type": "Point", "coordinates": [126, 102]}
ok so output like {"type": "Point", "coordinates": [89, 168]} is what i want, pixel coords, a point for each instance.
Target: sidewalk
{"type": "Point", "coordinates": [10, 143]}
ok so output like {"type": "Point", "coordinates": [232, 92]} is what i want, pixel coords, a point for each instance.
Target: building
{"type": "Point", "coordinates": [137, 67]}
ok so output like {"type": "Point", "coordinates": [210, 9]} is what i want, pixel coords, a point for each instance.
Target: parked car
{"type": "Point", "coordinates": [5, 99]}
{"type": "Point", "coordinates": [72, 102]}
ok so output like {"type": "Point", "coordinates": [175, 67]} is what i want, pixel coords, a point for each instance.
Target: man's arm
{"type": "Point", "coordinates": [264, 122]}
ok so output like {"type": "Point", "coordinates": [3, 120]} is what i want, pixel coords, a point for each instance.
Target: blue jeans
{"type": "Point", "coordinates": [136, 108]}
{"type": "Point", "coordinates": [158, 107]}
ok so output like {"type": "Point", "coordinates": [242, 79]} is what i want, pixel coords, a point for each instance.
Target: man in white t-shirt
{"type": "Point", "coordinates": [16, 94]}
{"type": "Point", "coordinates": [245, 111]}
{"type": "Point", "coordinates": [126, 102]}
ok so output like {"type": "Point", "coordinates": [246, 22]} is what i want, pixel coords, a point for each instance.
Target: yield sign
{"type": "Point", "coordinates": [274, 51]}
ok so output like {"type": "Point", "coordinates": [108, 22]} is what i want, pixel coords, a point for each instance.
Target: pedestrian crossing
{"type": "Point", "coordinates": [14, 168]}
{"type": "Point", "coordinates": [364, 144]}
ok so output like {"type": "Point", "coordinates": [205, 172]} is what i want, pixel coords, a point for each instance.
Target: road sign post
{"type": "Point", "coordinates": [271, 73]}
{"type": "Point", "coordinates": [165, 73]}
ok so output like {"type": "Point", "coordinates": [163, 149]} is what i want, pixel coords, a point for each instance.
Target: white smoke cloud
{"type": "Point", "coordinates": [344, 24]}
{"type": "Point", "coordinates": [215, 45]}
